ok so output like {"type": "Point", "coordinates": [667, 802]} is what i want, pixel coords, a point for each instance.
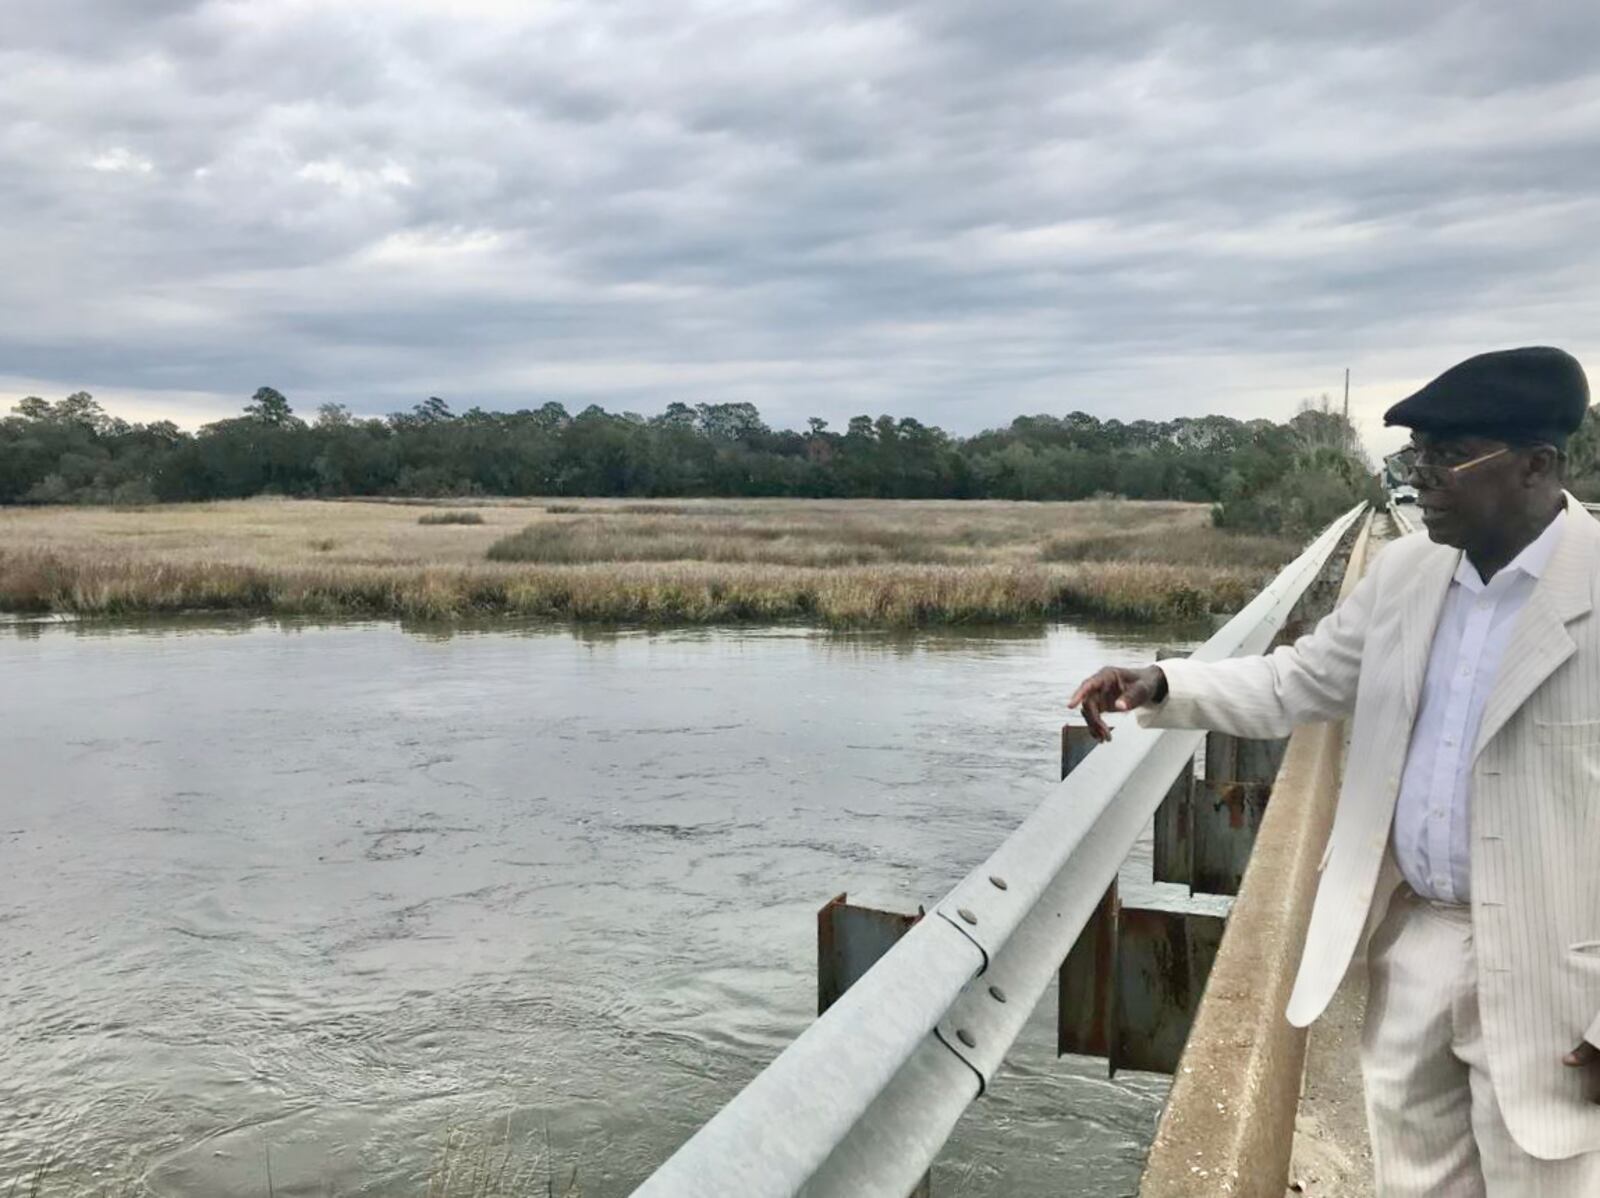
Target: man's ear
{"type": "Point", "coordinates": [1546, 462]}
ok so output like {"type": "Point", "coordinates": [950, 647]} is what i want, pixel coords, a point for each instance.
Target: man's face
{"type": "Point", "coordinates": [1463, 508]}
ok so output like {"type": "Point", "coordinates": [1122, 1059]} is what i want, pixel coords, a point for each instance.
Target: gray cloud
{"type": "Point", "coordinates": [939, 209]}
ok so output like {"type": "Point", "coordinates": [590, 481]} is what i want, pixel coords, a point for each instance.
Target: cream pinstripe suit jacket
{"type": "Point", "coordinates": [1535, 808]}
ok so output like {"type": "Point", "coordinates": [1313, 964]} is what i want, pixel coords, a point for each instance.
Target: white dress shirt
{"type": "Point", "coordinates": [1432, 839]}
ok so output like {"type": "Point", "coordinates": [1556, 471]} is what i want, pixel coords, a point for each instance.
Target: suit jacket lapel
{"type": "Point", "coordinates": [1423, 601]}
{"type": "Point", "coordinates": [1540, 641]}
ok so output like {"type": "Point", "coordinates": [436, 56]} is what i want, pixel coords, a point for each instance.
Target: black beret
{"type": "Point", "coordinates": [1535, 392]}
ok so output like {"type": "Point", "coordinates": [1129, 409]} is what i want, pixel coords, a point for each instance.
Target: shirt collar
{"type": "Point", "coordinates": [1532, 561]}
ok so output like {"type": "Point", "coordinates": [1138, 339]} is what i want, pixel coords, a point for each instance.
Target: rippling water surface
{"type": "Point", "coordinates": [315, 898]}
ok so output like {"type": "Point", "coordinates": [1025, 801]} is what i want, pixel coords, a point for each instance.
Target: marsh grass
{"type": "Point", "coordinates": [451, 518]}
{"type": "Point", "coordinates": [1201, 546]}
{"type": "Point", "coordinates": [839, 563]}
{"type": "Point", "coordinates": [621, 539]}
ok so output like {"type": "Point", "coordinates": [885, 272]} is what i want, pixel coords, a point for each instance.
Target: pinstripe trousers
{"type": "Point", "coordinates": [1436, 1126]}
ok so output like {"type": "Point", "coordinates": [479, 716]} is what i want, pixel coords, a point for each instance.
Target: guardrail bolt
{"type": "Point", "coordinates": [967, 915]}
{"type": "Point", "coordinates": [966, 1037]}
{"type": "Point", "coordinates": [999, 883]}
{"type": "Point", "coordinates": [997, 994]}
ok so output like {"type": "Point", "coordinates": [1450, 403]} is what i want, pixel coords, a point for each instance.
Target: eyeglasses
{"type": "Point", "coordinates": [1436, 477]}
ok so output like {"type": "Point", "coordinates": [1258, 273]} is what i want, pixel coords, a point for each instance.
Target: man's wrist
{"type": "Point", "coordinates": [1159, 694]}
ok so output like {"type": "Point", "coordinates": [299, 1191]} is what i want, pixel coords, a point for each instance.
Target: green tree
{"type": "Point", "coordinates": [1258, 474]}
{"type": "Point", "coordinates": [268, 406]}
{"type": "Point", "coordinates": [333, 415]}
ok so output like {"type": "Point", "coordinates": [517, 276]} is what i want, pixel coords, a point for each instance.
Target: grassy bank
{"type": "Point", "coordinates": [845, 563]}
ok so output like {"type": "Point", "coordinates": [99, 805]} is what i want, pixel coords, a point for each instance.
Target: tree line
{"type": "Point", "coordinates": [1260, 474]}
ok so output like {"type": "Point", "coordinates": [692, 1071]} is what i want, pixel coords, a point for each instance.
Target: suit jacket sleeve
{"type": "Point", "coordinates": [1264, 698]}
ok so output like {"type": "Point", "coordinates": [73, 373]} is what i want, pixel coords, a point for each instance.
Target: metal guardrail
{"type": "Point", "coordinates": [860, 1104]}
{"type": "Point", "coordinates": [1403, 523]}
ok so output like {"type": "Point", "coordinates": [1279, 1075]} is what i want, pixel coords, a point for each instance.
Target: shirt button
{"type": "Point", "coordinates": [1466, 671]}
{"type": "Point", "coordinates": [1449, 742]}
{"type": "Point", "coordinates": [1438, 814]}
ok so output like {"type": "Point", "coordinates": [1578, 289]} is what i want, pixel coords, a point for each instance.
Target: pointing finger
{"type": "Point", "coordinates": [1091, 717]}
{"type": "Point", "coordinates": [1093, 685]}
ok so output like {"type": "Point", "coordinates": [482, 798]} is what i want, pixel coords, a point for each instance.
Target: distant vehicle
{"type": "Point", "coordinates": [1404, 493]}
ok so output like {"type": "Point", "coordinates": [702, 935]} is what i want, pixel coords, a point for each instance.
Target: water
{"type": "Point", "coordinates": [314, 898]}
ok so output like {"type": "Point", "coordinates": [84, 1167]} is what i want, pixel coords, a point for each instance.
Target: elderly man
{"type": "Point", "coordinates": [1465, 853]}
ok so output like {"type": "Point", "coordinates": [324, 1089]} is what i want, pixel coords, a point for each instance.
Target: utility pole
{"type": "Point", "coordinates": [1346, 433]}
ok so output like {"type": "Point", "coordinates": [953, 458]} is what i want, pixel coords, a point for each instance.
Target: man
{"type": "Point", "coordinates": [1465, 853]}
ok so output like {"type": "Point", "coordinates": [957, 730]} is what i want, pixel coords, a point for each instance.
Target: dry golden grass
{"type": "Point", "coordinates": [835, 562]}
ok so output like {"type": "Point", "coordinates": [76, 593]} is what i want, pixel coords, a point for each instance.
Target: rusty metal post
{"type": "Point", "coordinates": [1227, 818]}
{"type": "Point", "coordinates": [1163, 961]}
{"type": "Point", "coordinates": [1086, 989]}
{"type": "Point", "coordinates": [1227, 809]}
{"type": "Point", "coordinates": [1171, 857]}
{"type": "Point", "coordinates": [1075, 745]}
{"type": "Point", "coordinates": [850, 939]}
{"type": "Point", "coordinates": [1230, 759]}
{"type": "Point", "coordinates": [1087, 986]}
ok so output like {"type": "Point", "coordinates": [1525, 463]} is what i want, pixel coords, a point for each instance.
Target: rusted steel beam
{"type": "Point", "coordinates": [1163, 960]}
{"type": "Point", "coordinates": [1086, 993]}
{"type": "Point", "coordinates": [1076, 744]}
{"type": "Point", "coordinates": [850, 940]}
{"type": "Point", "coordinates": [1086, 985]}
{"type": "Point", "coordinates": [1231, 759]}
{"type": "Point", "coordinates": [1226, 809]}
{"type": "Point", "coordinates": [1171, 858]}
{"type": "Point", "coordinates": [1226, 820]}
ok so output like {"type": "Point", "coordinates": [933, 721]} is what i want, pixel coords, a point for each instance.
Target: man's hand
{"type": "Point", "coordinates": [1116, 689]}
{"type": "Point", "coordinates": [1587, 1058]}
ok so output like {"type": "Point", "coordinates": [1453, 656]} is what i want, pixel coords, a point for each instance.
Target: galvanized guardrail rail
{"type": "Point", "coordinates": [860, 1104]}
{"type": "Point", "coordinates": [1403, 523]}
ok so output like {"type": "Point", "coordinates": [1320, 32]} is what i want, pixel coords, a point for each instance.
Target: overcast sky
{"type": "Point", "coordinates": [954, 211]}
